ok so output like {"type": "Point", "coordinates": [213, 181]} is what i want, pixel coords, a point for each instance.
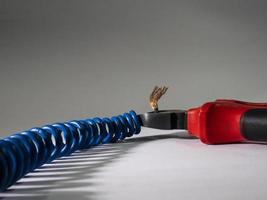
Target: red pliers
{"type": "Point", "coordinates": [217, 122]}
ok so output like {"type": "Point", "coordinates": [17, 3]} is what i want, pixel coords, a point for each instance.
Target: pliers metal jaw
{"type": "Point", "coordinates": [164, 119]}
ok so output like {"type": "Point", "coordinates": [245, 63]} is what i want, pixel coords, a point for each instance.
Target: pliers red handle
{"type": "Point", "coordinates": [217, 122]}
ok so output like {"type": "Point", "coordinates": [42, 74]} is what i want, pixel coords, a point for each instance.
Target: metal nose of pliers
{"type": "Point", "coordinates": [164, 119]}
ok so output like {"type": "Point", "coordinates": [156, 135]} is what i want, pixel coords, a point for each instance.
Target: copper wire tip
{"type": "Point", "coordinates": [156, 94]}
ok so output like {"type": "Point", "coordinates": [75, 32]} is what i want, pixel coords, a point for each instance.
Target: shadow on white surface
{"type": "Point", "coordinates": [72, 176]}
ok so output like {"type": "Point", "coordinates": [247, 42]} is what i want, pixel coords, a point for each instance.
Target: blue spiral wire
{"type": "Point", "coordinates": [23, 152]}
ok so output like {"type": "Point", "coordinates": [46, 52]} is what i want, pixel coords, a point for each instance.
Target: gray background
{"type": "Point", "coordinates": [68, 59]}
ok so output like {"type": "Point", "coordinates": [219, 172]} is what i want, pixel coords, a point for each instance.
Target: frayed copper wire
{"type": "Point", "coordinates": [156, 94]}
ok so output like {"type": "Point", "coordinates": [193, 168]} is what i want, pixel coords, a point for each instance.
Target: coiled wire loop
{"type": "Point", "coordinates": [23, 152]}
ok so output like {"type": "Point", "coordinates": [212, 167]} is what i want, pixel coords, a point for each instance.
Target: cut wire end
{"type": "Point", "coordinates": [156, 94]}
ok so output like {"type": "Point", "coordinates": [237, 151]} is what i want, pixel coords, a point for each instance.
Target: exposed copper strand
{"type": "Point", "coordinates": [156, 94]}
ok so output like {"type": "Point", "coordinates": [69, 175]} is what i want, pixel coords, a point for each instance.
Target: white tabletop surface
{"type": "Point", "coordinates": [153, 165]}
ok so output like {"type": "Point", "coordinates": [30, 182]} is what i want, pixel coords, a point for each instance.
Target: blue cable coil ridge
{"type": "Point", "coordinates": [23, 152]}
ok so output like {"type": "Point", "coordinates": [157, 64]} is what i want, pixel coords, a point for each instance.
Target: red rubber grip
{"type": "Point", "coordinates": [219, 121]}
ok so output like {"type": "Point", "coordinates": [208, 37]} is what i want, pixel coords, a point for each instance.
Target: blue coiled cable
{"type": "Point", "coordinates": [23, 152]}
